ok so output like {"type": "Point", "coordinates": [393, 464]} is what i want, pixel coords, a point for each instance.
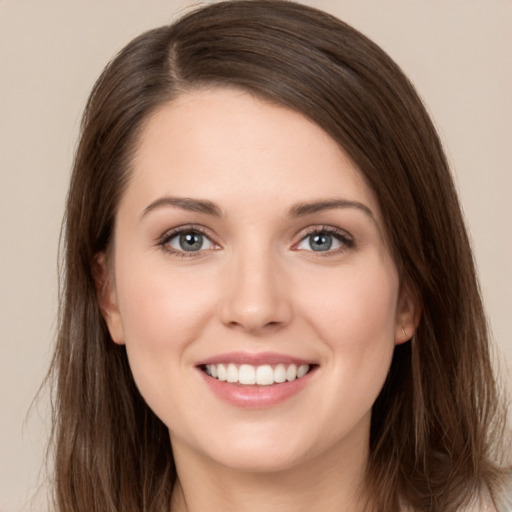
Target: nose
{"type": "Point", "coordinates": [256, 297]}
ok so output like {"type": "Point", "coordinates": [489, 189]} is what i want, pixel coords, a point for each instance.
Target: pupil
{"type": "Point", "coordinates": [191, 241]}
{"type": "Point", "coordinates": [321, 242]}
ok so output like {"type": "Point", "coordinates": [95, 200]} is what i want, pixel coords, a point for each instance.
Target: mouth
{"type": "Point", "coordinates": [260, 375]}
{"type": "Point", "coordinates": [256, 381]}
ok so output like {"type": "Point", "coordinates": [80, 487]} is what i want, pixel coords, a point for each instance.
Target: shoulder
{"type": "Point", "coordinates": [499, 502]}
{"type": "Point", "coordinates": [484, 502]}
{"type": "Point", "coordinates": [504, 499]}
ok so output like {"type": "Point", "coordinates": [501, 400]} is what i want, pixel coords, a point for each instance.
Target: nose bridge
{"type": "Point", "coordinates": [255, 295]}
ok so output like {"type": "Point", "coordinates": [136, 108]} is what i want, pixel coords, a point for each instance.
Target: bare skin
{"type": "Point", "coordinates": [246, 233]}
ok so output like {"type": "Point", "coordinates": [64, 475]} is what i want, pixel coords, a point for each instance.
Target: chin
{"type": "Point", "coordinates": [260, 460]}
{"type": "Point", "coordinates": [268, 448]}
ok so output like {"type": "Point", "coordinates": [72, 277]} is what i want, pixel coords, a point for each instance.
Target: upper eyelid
{"type": "Point", "coordinates": [332, 230]}
{"type": "Point", "coordinates": [163, 242]}
{"type": "Point", "coordinates": [171, 233]}
{"type": "Point", "coordinates": [343, 237]}
{"type": "Point", "coordinates": [299, 237]}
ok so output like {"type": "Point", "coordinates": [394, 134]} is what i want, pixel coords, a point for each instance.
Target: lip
{"type": "Point", "coordinates": [254, 396]}
{"type": "Point", "coordinates": [271, 358]}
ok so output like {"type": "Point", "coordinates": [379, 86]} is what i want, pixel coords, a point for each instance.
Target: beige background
{"type": "Point", "coordinates": [457, 52]}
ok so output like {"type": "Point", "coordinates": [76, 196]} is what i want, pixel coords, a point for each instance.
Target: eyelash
{"type": "Point", "coordinates": [163, 242]}
{"type": "Point", "coordinates": [341, 236]}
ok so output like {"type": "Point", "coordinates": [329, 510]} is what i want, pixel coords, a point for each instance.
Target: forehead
{"type": "Point", "coordinates": [228, 145]}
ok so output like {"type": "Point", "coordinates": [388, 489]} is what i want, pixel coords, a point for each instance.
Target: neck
{"type": "Point", "coordinates": [331, 482]}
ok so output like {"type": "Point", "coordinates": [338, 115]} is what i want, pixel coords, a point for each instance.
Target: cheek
{"type": "Point", "coordinates": [355, 304]}
{"type": "Point", "coordinates": [162, 315]}
{"type": "Point", "coordinates": [159, 306]}
{"type": "Point", "coordinates": [355, 318]}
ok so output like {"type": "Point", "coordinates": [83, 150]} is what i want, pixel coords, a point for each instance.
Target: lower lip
{"type": "Point", "coordinates": [256, 397]}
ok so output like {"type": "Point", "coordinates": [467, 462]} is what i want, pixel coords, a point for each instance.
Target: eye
{"type": "Point", "coordinates": [187, 241]}
{"type": "Point", "coordinates": [325, 240]}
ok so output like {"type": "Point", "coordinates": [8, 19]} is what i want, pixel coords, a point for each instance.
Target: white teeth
{"type": "Point", "coordinates": [279, 373]}
{"type": "Point", "coordinates": [291, 372]}
{"type": "Point", "coordinates": [302, 370]}
{"type": "Point", "coordinates": [264, 375]}
{"type": "Point", "coordinates": [212, 370]}
{"type": "Point", "coordinates": [221, 372]}
{"type": "Point", "coordinates": [247, 374]}
{"type": "Point", "coordinates": [232, 373]}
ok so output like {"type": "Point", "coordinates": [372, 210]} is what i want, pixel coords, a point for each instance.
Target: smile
{"type": "Point", "coordinates": [256, 381]}
{"type": "Point", "coordinates": [262, 375]}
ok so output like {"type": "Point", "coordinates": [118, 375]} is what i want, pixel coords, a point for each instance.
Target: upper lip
{"type": "Point", "coordinates": [253, 359]}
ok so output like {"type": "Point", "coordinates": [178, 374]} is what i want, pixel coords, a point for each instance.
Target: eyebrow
{"type": "Point", "coordinates": [298, 210]}
{"type": "Point", "coordinates": [302, 209]}
{"type": "Point", "coordinates": [185, 203]}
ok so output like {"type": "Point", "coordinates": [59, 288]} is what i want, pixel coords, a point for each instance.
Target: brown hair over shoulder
{"type": "Point", "coordinates": [437, 424]}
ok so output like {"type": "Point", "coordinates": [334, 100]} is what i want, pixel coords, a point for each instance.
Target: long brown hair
{"type": "Point", "coordinates": [436, 425]}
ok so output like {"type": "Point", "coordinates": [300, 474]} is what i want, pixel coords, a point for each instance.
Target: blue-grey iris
{"type": "Point", "coordinates": [191, 241]}
{"type": "Point", "coordinates": [320, 242]}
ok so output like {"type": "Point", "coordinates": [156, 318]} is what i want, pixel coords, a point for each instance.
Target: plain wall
{"type": "Point", "coordinates": [458, 54]}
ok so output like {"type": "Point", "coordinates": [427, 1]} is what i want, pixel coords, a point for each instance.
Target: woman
{"type": "Point", "coordinates": [269, 298]}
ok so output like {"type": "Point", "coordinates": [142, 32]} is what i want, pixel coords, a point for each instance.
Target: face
{"type": "Point", "coordinates": [251, 284]}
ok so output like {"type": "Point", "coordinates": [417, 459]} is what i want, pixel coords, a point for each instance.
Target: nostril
{"type": "Point", "coordinates": [254, 326]}
{"type": "Point", "coordinates": [255, 301]}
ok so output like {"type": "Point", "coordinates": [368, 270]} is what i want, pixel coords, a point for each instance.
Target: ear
{"type": "Point", "coordinates": [408, 314]}
{"type": "Point", "coordinates": [107, 297]}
